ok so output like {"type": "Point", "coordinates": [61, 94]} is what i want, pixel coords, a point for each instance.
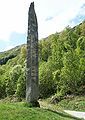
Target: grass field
{"type": "Point", "coordinates": [18, 111]}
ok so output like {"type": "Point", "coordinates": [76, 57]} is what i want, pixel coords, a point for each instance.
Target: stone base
{"type": "Point", "coordinates": [32, 104]}
{"type": "Point", "coordinates": [35, 104]}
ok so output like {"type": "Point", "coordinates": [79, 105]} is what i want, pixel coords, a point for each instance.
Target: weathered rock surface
{"type": "Point", "coordinates": [32, 57]}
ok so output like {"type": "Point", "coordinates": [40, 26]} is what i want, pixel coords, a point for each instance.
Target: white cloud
{"type": "Point", "coordinates": [62, 10]}
{"type": "Point", "coordinates": [14, 15]}
{"type": "Point", "coordinates": [81, 12]}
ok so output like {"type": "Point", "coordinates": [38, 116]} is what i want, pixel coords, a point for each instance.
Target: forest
{"type": "Point", "coordinates": [61, 66]}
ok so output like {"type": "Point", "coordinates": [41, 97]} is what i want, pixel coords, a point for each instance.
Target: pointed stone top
{"type": "Point", "coordinates": [32, 5]}
{"type": "Point", "coordinates": [32, 18]}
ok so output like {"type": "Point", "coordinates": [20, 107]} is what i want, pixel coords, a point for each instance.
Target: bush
{"type": "Point", "coordinates": [47, 85]}
{"type": "Point", "coordinates": [21, 87]}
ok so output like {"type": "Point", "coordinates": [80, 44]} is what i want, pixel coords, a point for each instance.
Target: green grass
{"type": "Point", "coordinates": [77, 103]}
{"type": "Point", "coordinates": [18, 111]}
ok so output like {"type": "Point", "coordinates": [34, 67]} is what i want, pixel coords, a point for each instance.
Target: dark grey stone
{"type": "Point", "coordinates": [32, 57]}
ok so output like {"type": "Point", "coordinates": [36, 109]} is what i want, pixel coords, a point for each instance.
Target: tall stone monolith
{"type": "Point", "coordinates": [32, 57]}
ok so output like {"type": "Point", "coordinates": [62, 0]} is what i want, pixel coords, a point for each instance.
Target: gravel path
{"type": "Point", "coordinates": [76, 114]}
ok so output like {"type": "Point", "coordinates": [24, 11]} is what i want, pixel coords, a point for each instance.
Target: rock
{"type": "Point", "coordinates": [32, 57]}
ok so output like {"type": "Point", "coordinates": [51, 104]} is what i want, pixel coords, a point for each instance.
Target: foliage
{"type": "Point", "coordinates": [21, 86]}
{"type": "Point", "coordinates": [73, 103]}
{"type": "Point", "coordinates": [12, 82]}
{"type": "Point", "coordinates": [61, 65]}
{"type": "Point", "coordinates": [70, 102]}
{"type": "Point", "coordinates": [47, 85]}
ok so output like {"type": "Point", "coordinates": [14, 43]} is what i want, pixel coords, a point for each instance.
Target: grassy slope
{"type": "Point", "coordinates": [17, 111]}
{"type": "Point", "coordinates": [15, 50]}
{"type": "Point", "coordinates": [76, 103]}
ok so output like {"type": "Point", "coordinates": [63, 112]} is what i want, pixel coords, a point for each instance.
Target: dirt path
{"type": "Point", "coordinates": [76, 114]}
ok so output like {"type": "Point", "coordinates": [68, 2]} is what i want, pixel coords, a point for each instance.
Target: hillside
{"type": "Point", "coordinates": [61, 65]}
{"type": "Point", "coordinates": [19, 111]}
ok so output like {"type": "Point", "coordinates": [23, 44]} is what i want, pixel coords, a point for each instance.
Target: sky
{"type": "Point", "coordinates": [53, 16]}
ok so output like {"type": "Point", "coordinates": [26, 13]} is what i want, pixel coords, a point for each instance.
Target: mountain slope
{"type": "Point", "coordinates": [61, 65]}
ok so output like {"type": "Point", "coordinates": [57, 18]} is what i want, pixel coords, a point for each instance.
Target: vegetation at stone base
{"type": "Point", "coordinates": [76, 103]}
{"type": "Point", "coordinates": [61, 65]}
{"type": "Point", "coordinates": [17, 111]}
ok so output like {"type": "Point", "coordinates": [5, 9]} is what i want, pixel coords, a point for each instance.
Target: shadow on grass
{"type": "Point", "coordinates": [64, 115]}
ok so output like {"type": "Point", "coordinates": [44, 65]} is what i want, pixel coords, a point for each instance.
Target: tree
{"type": "Point", "coordinates": [47, 85]}
{"type": "Point", "coordinates": [12, 82]}
{"type": "Point", "coordinates": [69, 73]}
{"type": "Point", "coordinates": [81, 53]}
{"type": "Point", "coordinates": [45, 49]}
{"type": "Point", "coordinates": [21, 84]}
{"type": "Point", "coordinates": [57, 52]}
